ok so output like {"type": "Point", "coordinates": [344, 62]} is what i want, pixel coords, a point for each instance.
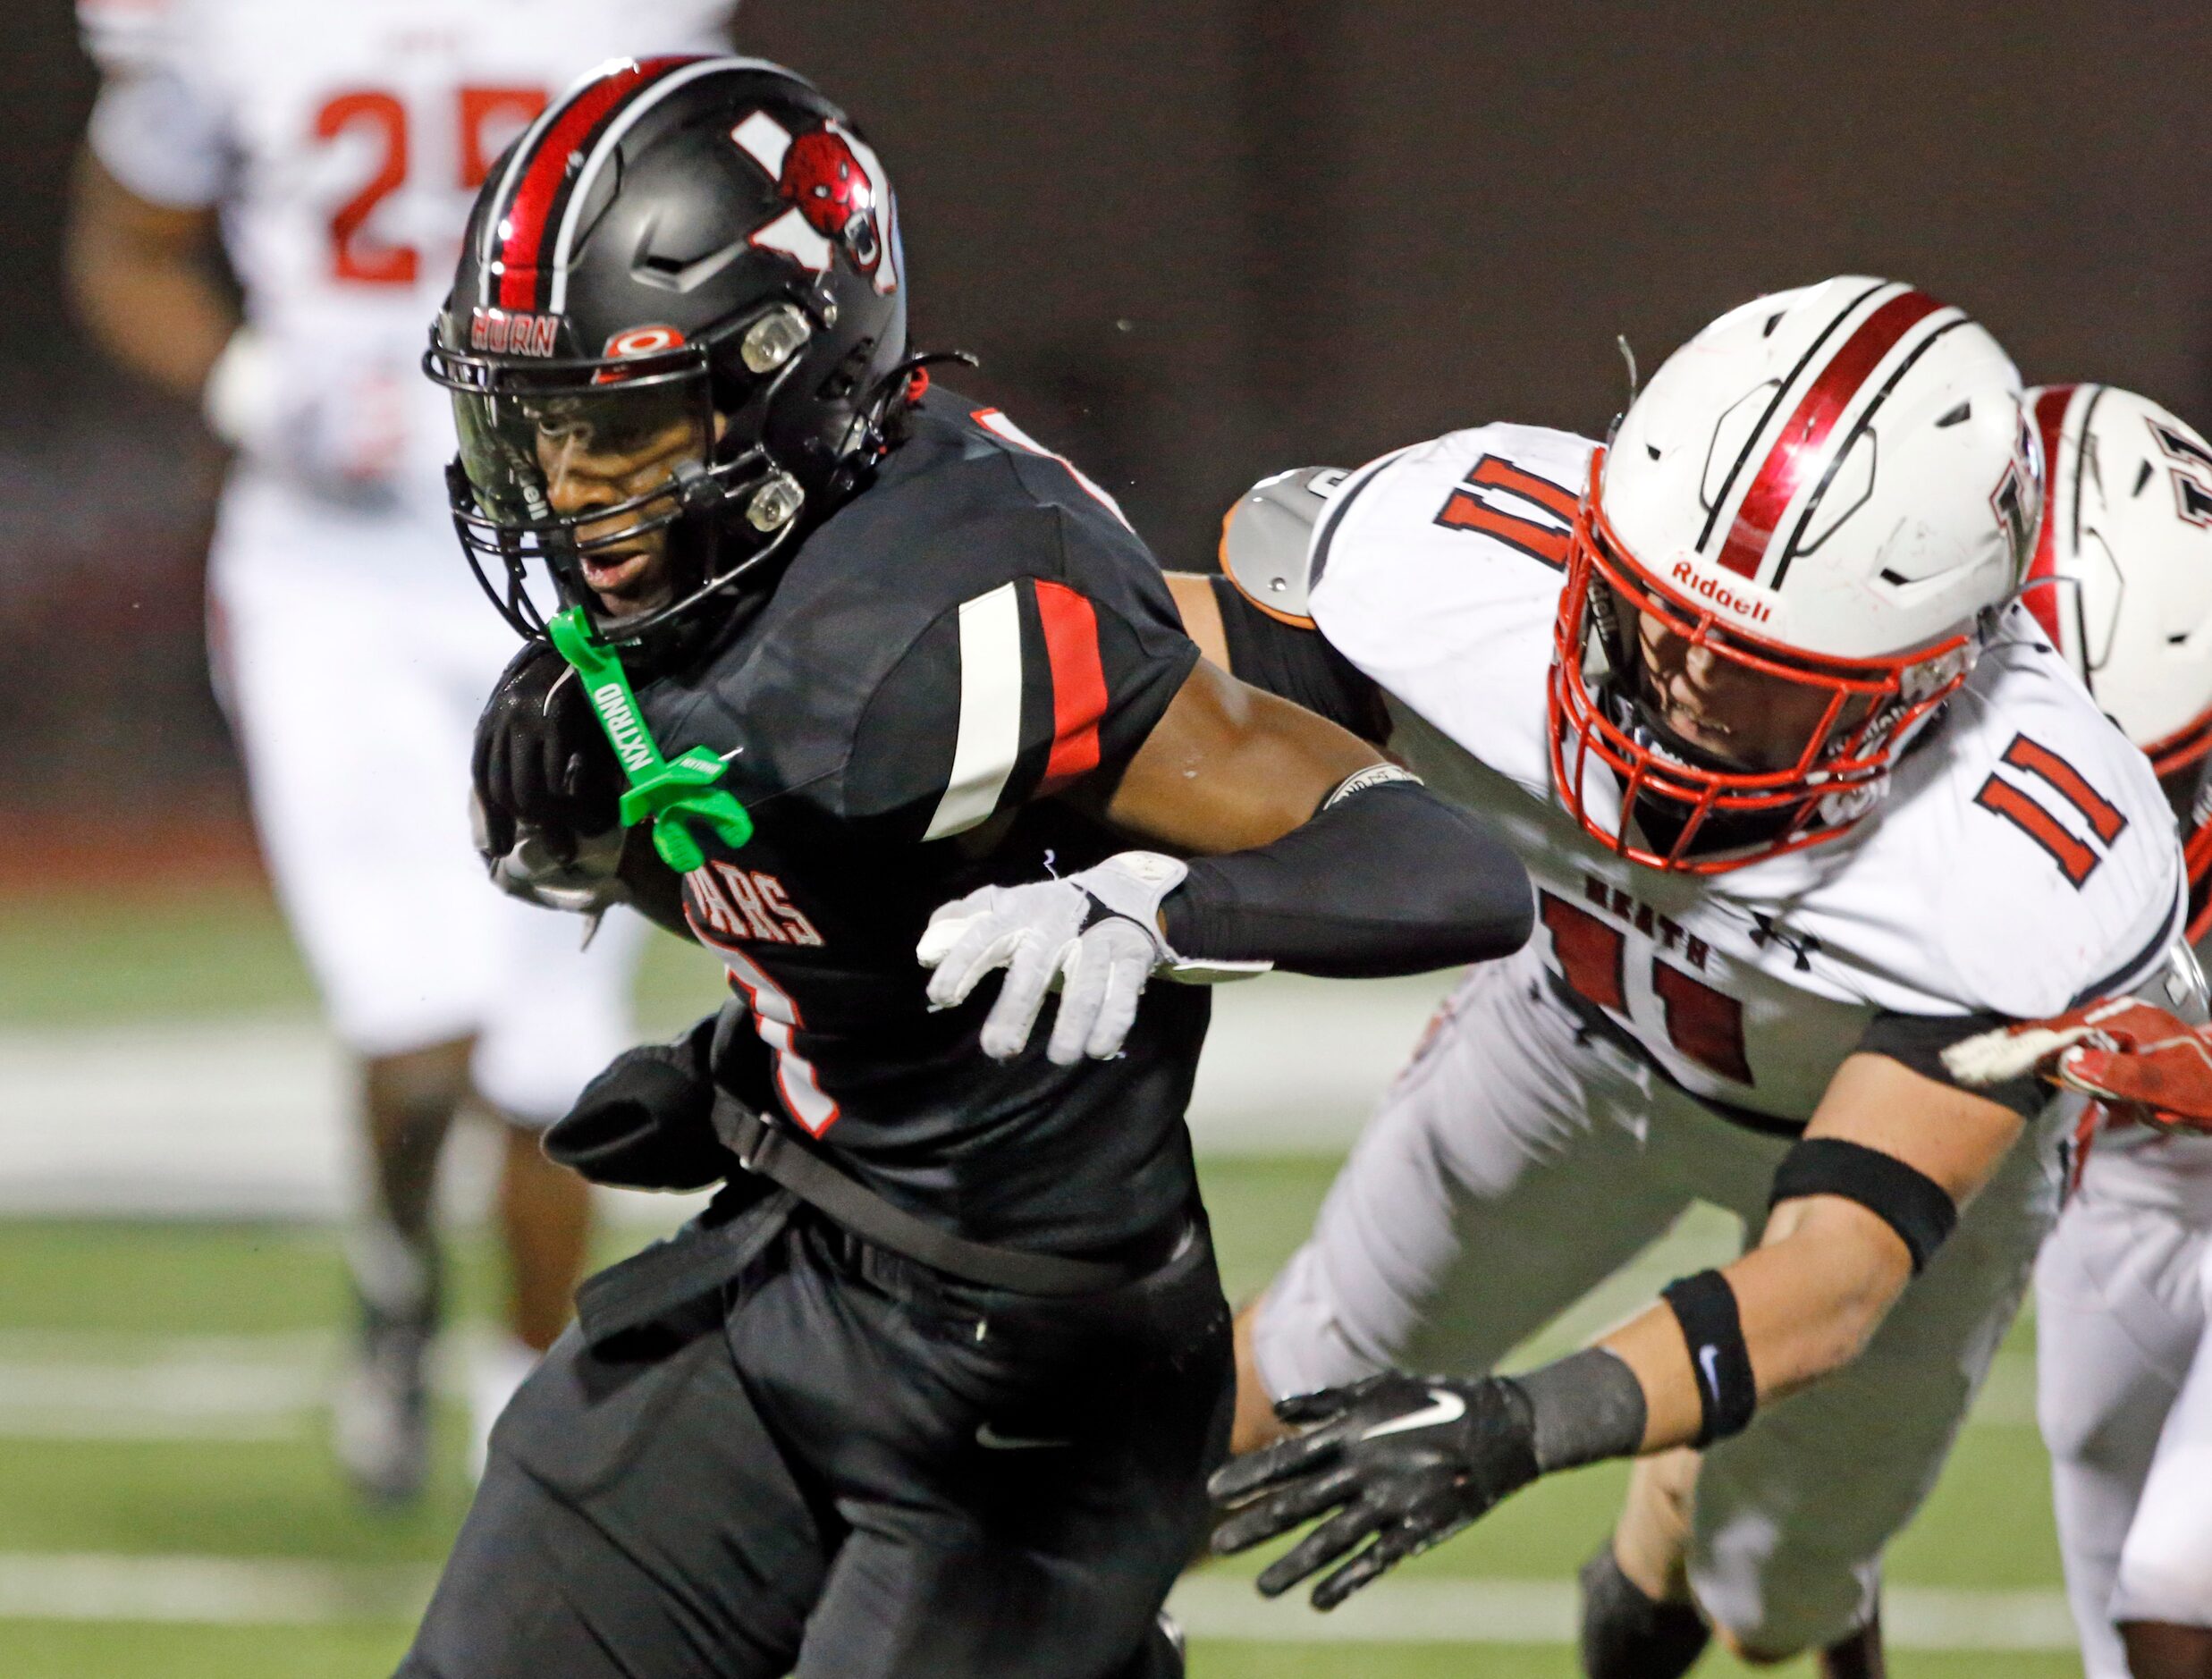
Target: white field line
{"type": "Point", "coordinates": [210, 1589]}
{"type": "Point", "coordinates": [252, 1116]}
{"type": "Point", "coordinates": [102, 1385]}
{"type": "Point", "coordinates": [238, 1591]}
{"type": "Point", "coordinates": [1544, 1612]}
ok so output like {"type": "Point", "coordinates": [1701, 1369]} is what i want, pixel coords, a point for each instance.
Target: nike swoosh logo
{"type": "Point", "coordinates": [988, 1437]}
{"type": "Point", "coordinates": [1708, 1361]}
{"type": "Point", "coordinates": [1442, 1407]}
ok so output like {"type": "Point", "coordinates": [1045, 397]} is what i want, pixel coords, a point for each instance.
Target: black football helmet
{"type": "Point", "coordinates": [690, 262]}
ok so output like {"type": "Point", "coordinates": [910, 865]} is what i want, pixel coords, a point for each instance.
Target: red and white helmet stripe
{"type": "Point", "coordinates": [1755, 523]}
{"type": "Point", "coordinates": [530, 238]}
{"type": "Point", "coordinates": [2062, 503]}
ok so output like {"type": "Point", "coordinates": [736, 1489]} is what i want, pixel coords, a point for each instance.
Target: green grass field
{"type": "Point", "coordinates": [167, 1508]}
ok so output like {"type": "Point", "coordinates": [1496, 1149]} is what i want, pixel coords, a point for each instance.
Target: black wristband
{"type": "Point", "coordinates": [1704, 1305]}
{"type": "Point", "coordinates": [1585, 1406]}
{"type": "Point", "coordinates": [1918, 1209]}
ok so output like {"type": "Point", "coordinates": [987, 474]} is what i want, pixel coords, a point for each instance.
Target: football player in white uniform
{"type": "Point", "coordinates": [2122, 584]}
{"type": "Point", "coordinates": [1806, 795]}
{"type": "Point", "coordinates": [2125, 1366]}
{"type": "Point", "coordinates": [353, 654]}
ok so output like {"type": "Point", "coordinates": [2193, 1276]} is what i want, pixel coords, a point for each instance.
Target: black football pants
{"type": "Point", "coordinates": [868, 1471]}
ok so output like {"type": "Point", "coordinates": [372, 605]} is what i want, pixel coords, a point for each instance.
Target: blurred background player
{"type": "Point", "coordinates": [352, 649]}
{"type": "Point", "coordinates": [2122, 583]}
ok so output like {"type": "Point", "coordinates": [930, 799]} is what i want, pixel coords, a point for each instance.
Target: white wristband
{"type": "Point", "coordinates": [239, 398]}
{"type": "Point", "coordinates": [1133, 884]}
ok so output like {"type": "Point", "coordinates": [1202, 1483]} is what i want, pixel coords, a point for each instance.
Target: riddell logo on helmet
{"type": "Point", "coordinates": [1719, 593]}
{"type": "Point", "coordinates": [512, 334]}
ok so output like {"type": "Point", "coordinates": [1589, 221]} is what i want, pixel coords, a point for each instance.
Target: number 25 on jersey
{"type": "Point", "coordinates": [484, 121]}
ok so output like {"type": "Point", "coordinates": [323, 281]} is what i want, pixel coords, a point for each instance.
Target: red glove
{"type": "Point", "coordinates": [2139, 1060]}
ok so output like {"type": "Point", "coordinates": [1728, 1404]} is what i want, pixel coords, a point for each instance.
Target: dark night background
{"type": "Point", "coordinates": [1198, 240]}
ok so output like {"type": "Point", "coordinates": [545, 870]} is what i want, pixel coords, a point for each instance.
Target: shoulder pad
{"type": "Point", "coordinates": [1267, 539]}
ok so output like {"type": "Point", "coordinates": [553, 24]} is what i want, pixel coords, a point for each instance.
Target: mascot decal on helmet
{"type": "Point", "coordinates": [827, 177]}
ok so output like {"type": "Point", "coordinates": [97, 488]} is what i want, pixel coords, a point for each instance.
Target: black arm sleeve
{"type": "Point", "coordinates": [1919, 1041]}
{"type": "Point", "coordinates": [1299, 665]}
{"type": "Point", "coordinates": [1389, 880]}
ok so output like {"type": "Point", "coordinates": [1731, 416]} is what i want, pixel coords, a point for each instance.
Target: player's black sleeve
{"type": "Point", "coordinates": [1385, 879]}
{"type": "Point", "coordinates": [1919, 1041]}
{"type": "Point", "coordinates": [1049, 678]}
{"type": "Point", "coordinates": [1297, 663]}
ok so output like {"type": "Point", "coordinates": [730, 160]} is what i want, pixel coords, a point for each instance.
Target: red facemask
{"type": "Point", "coordinates": [1868, 709]}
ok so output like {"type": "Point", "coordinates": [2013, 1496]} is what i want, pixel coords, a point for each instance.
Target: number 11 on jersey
{"type": "Point", "coordinates": [1704, 1024]}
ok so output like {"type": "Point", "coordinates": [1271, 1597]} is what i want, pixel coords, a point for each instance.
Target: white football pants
{"type": "Point", "coordinates": [2125, 1391]}
{"type": "Point", "coordinates": [1519, 1161]}
{"type": "Point", "coordinates": [354, 652]}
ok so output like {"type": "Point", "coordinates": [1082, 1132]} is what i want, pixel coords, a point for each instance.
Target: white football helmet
{"type": "Point", "coordinates": [1833, 487]}
{"type": "Point", "coordinates": [2122, 579]}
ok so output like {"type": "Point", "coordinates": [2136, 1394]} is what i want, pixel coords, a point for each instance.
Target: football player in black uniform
{"type": "Point", "coordinates": [934, 1386]}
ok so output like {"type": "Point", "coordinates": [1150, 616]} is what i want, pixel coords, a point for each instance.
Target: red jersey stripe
{"type": "Point", "coordinates": [2038, 594]}
{"type": "Point", "coordinates": [1070, 626]}
{"type": "Point", "coordinates": [529, 213]}
{"type": "Point", "coordinates": [1799, 450]}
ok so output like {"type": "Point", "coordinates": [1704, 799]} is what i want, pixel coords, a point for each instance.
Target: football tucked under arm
{"type": "Point", "coordinates": [2127, 1053]}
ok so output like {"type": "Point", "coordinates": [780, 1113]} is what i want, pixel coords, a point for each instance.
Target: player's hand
{"type": "Point", "coordinates": [1404, 1461]}
{"type": "Point", "coordinates": [541, 760]}
{"type": "Point", "coordinates": [2140, 1060]}
{"type": "Point", "coordinates": [1095, 936]}
{"type": "Point", "coordinates": [646, 1122]}
{"type": "Point", "coordinates": [340, 434]}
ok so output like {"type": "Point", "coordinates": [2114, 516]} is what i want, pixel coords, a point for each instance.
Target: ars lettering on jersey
{"type": "Point", "coordinates": [748, 904]}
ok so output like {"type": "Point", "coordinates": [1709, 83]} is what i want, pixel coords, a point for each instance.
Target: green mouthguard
{"type": "Point", "coordinates": [670, 793]}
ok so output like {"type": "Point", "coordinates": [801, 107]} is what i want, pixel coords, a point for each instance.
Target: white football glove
{"type": "Point", "coordinates": [1094, 936]}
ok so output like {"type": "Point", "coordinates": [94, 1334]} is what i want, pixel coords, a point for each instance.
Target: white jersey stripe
{"type": "Point", "coordinates": [991, 712]}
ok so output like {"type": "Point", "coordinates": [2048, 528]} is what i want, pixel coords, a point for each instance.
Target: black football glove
{"type": "Point", "coordinates": [1407, 1461]}
{"type": "Point", "coordinates": [541, 760]}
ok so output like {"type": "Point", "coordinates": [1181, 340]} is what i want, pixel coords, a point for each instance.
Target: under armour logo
{"type": "Point", "coordinates": [1799, 945]}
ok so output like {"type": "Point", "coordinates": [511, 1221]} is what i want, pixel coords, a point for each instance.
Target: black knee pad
{"type": "Point", "coordinates": [1626, 1635]}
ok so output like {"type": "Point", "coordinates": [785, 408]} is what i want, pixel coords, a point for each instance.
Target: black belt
{"type": "Point", "coordinates": [1595, 1021]}
{"type": "Point", "coordinates": [781, 1158]}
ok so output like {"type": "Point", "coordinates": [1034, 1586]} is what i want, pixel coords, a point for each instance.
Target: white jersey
{"type": "Point", "coordinates": [344, 144]}
{"type": "Point", "coordinates": [2022, 858]}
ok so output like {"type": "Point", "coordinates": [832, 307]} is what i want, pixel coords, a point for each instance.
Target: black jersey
{"type": "Point", "coordinates": [977, 633]}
